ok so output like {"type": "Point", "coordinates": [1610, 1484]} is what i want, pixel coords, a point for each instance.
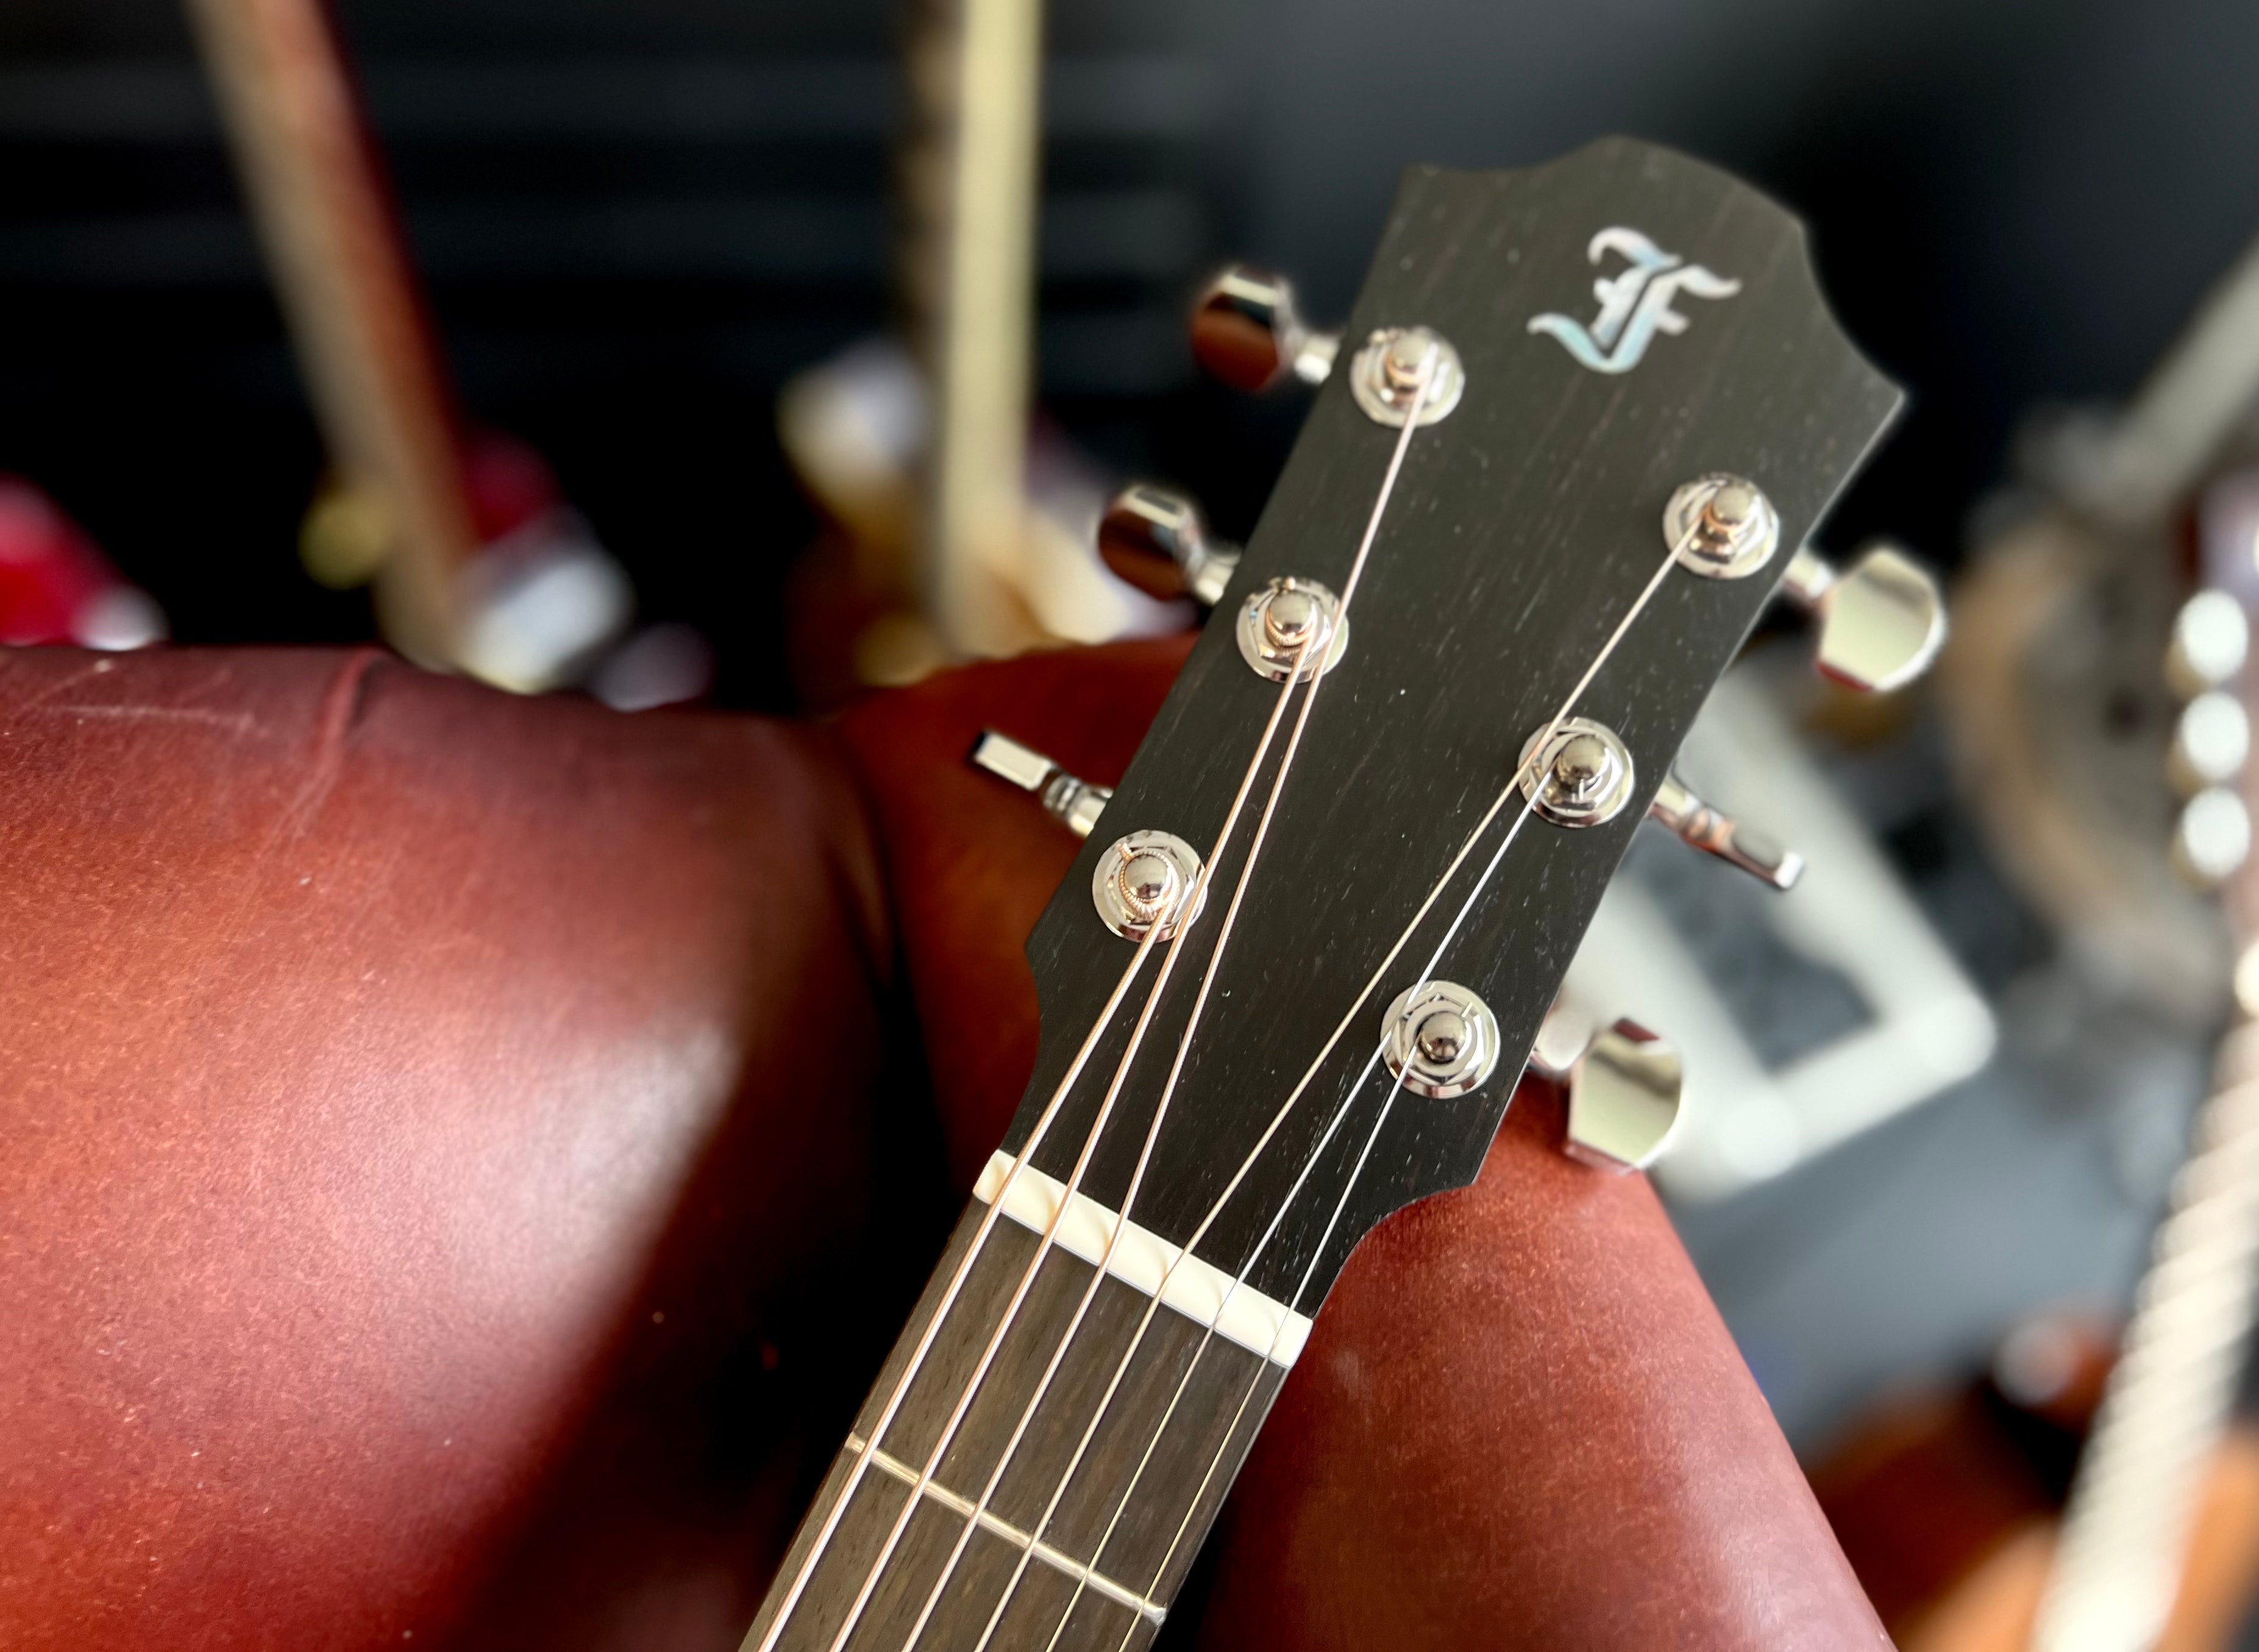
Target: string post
{"type": "Point", "coordinates": [1291, 627]}
{"type": "Point", "coordinates": [1147, 880]}
{"type": "Point", "coordinates": [1402, 369]}
{"type": "Point", "coordinates": [1722, 526]}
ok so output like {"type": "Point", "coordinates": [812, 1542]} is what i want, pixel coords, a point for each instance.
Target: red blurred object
{"type": "Point", "coordinates": [509, 484]}
{"type": "Point", "coordinates": [55, 584]}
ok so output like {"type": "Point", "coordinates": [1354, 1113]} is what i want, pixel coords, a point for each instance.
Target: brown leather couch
{"type": "Point", "coordinates": [461, 1159]}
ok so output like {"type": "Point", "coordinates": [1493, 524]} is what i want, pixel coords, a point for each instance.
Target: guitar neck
{"type": "Point", "coordinates": [2125, 1537]}
{"type": "Point", "coordinates": [1117, 1475]}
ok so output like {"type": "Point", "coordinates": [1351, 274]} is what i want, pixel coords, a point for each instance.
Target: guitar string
{"type": "Point", "coordinates": [1121, 1221]}
{"type": "Point", "coordinates": [1189, 907]}
{"type": "Point", "coordinates": [1568, 706]}
{"type": "Point", "coordinates": [1513, 783]}
{"type": "Point", "coordinates": [856, 1470]}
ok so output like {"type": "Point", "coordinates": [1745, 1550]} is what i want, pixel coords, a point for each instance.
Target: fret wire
{"type": "Point", "coordinates": [1189, 909]}
{"type": "Point", "coordinates": [2125, 1536]}
{"type": "Point", "coordinates": [1058, 1560]}
{"type": "Point", "coordinates": [1411, 427]}
{"type": "Point", "coordinates": [832, 1516]}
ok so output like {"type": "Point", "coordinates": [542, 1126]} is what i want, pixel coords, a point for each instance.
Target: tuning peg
{"type": "Point", "coordinates": [1155, 540]}
{"type": "Point", "coordinates": [1624, 1086]}
{"type": "Point", "coordinates": [1696, 822]}
{"type": "Point", "coordinates": [1623, 1098]}
{"type": "Point", "coordinates": [1247, 333]}
{"type": "Point", "coordinates": [1882, 620]}
{"type": "Point", "coordinates": [2211, 637]}
{"type": "Point", "coordinates": [1563, 1037]}
{"type": "Point", "coordinates": [2213, 837]}
{"type": "Point", "coordinates": [1075, 803]}
{"type": "Point", "coordinates": [2212, 737]}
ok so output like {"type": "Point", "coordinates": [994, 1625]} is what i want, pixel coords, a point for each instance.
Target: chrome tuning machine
{"type": "Point", "coordinates": [1882, 619]}
{"type": "Point", "coordinates": [1679, 811]}
{"type": "Point", "coordinates": [2212, 737]}
{"type": "Point", "coordinates": [1624, 1086]}
{"type": "Point", "coordinates": [1155, 540]}
{"type": "Point", "coordinates": [1074, 803]}
{"type": "Point", "coordinates": [1248, 334]}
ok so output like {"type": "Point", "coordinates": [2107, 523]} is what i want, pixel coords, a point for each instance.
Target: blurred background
{"type": "Point", "coordinates": [639, 224]}
{"type": "Point", "coordinates": [636, 221]}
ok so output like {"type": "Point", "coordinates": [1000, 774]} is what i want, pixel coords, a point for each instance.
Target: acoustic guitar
{"type": "Point", "coordinates": [1287, 985]}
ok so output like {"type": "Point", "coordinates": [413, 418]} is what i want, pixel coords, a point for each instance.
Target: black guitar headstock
{"type": "Point", "coordinates": [1627, 336]}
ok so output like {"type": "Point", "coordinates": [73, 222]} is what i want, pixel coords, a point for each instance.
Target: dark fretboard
{"type": "Point", "coordinates": [1133, 1501]}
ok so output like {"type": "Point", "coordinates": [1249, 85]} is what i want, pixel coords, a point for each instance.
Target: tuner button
{"type": "Point", "coordinates": [2211, 741]}
{"type": "Point", "coordinates": [1623, 1098]}
{"type": "Point", "coordinates": [2213, 837]}
{"type": "Point", "coordinates": [1247, 333]}
{"type": "Point", "coordinates": [2211, 637]}
{"type": "Point", "coordinates": [1562, 1037]}
{"type": "Point", "coordinates": [1698, 824]}
{"type": "Point", "coordinates": [1074, 803]}
{"type": "Point", "coordinates": [1154, 539]}
{"type": "Point", "coordinates": [1882, 620]}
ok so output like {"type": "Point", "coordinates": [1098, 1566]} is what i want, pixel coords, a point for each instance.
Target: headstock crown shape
{"type": "Point", "coordinates": [1625, 321]}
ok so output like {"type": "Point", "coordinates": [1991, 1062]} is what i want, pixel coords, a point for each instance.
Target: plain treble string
{"type": "Point", "coordinates": [807, 1568]}
{"type": "Point", "coordinates": [1187, 913]}
{"type": "Point", "coordinates": [1424, 374]}
{"type": "Point", "coordinates": [1189, 909]}
{"type": "Point", "coordinates": [1137, 1038]}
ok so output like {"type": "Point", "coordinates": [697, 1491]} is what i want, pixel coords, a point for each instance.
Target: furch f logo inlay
{"type": "Point", "coordinates": [1635, 304]}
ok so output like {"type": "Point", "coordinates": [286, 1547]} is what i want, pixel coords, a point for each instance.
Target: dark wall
{"type": "Point", "coordinates": [638, 216]}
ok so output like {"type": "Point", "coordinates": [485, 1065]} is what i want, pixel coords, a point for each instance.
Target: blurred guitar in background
{"type": "Point", "coordinates": [479, 563]}
{"type": "Point", "coordinates": [2099, 695]}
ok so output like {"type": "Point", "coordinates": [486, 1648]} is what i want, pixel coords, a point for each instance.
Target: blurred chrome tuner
{"type": "Point", "coordinates": [1155, 539]}
{"type": "Point", "coordinates": [2212, 738]}
{"type": "Point", "coordinates": [1075, 803]}
{"type": "Point", "coordinates": [1247, 333]}
{"type": "Point", "coordinates": [2212, 839]}
{"type": "Point", "coordinates": [1624, 1085]}
{"type": "Point", "coordinates": [1882, 620]}
{"type": "Point", "coordinates": [1695, 822]}
{"type": "Point", "coordinates": [2211, 637]}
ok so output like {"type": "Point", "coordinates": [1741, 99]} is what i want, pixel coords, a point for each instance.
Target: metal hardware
{"type": "Point", "coordinates": [2211, 637]}
{"type": "Point", "coordinates": [1385, 376]}
{"type": "Point", "coordinates": [1439, 1039]}
{"type": "Point", "coordinates": [1723, 525]}
{"type": "Point", "coordinates": [1623, 1098]}
{"type": "Point", "coordinates": [1247, 333]}
{"type": "Point", "coordinates": [2213, 837]}
{"type": "Point", "coordinates": [2210, 740]}
{"type": "Point", "coordinates": [1882, 620]}
{"type": "Point", "coordinates": [1075, 803]}
{"type": "Point", "coordinates": [1584, 777]}
{"type": "Point", "coordinates": [1696, 823]}
{"type": "Point", "coordinates": [1562, 1037]}
{"type": "Point", "coordinates": [1155, 539]}
{"type": "Point", "coordinates": [1142, 880]}
{"type": "Point", "coordinates": [1291, 618]}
